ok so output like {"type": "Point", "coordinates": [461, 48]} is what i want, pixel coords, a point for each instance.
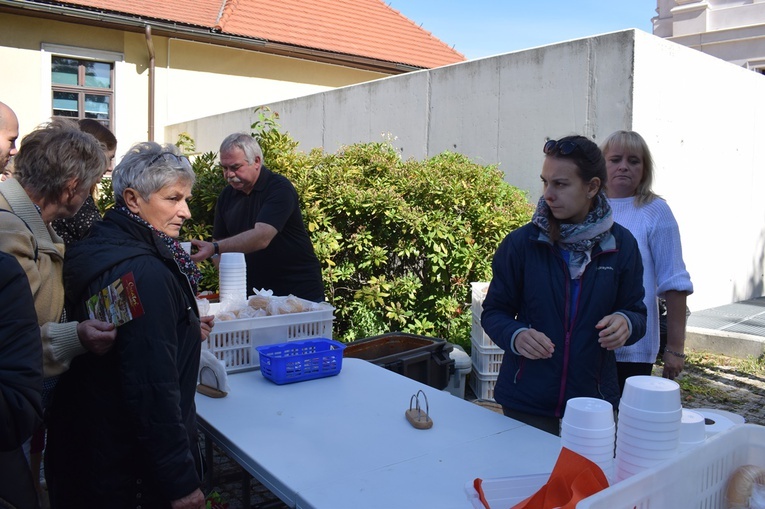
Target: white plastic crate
{"type": "Point", "coordinates": [504, 492]}
{"type": "Point", "coordinates": [478, 335]}
{"type": "Point", "coordinates": [487, 359]}
{"type": "Point", "coordinates": [695, 479]}
{"type": "Point", "coordinates": [483, 385]}
{"type": "Point", "coordinates": [478, 290]}
{"type": "Point", "coordinates": [234, 341]}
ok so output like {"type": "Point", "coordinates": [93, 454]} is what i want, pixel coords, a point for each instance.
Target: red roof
{"type": "Point", "coordinates": [365, 28]}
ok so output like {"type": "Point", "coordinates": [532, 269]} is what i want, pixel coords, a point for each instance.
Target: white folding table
{"type": "Point", "coordinates": [344, 441]}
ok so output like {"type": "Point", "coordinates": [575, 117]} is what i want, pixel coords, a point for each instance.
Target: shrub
{"type": "Point", "coordinates": [399, 241]}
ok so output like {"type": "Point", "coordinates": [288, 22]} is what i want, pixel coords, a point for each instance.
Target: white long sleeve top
{"type": "Point", "coordinates": [654, 227]}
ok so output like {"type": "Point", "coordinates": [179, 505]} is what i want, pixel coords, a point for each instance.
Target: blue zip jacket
{"type": "Point", "coordinates": [531, 288]}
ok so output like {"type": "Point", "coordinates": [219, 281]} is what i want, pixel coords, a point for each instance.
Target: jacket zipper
{"type": "Point", "coordinates": [569, 327]}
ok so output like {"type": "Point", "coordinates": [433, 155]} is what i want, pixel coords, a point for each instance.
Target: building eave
{"type": "Point", "coordinates": [164, 28]}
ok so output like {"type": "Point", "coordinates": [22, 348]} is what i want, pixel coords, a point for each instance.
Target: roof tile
{"type": "Point", "coordinates": [367, 28]}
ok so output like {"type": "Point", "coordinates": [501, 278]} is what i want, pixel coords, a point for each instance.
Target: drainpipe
{"type": "Point", "coordinates": [150, 47]}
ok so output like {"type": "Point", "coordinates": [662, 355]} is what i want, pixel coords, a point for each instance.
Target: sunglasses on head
{"type": "Point", "coordinates": [563, 148]}
{"type": "Point", "coordinates": [171, 158]}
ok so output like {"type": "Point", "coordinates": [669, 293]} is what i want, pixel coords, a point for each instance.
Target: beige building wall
{"type": "Point", "coordinates": [732, 30]}
{"type": "Point", "coordinates": [192, 79]}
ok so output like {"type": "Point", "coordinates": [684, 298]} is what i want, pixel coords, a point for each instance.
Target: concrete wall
{"type": "Point", "coordinates": [702, 118]}
{"type": "Point", "coordinates": [496, 110]}
{"type": "Point", "coordinates": [699, 114]}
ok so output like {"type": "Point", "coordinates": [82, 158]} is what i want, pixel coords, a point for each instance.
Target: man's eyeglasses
{"type": "Point", "coordinates": [563, 148]}
{"type": "Point", "coordinates": [171, 158]}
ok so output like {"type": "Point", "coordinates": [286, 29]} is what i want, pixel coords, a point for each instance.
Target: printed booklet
{"type": "Point", "coordinates": [118, 303]}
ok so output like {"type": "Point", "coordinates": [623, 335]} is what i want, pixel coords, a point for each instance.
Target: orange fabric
{"type": "Point", "coordinates": [573, 478]}
{"type": "Point", "coordinates": [481, 496]}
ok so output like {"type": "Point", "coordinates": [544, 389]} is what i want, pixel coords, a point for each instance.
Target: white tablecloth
{"type": "Point", "coordinates": [344, 441]}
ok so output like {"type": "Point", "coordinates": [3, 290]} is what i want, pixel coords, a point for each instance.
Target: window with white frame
{"type": "Point", "coordinates": [80, 82]}
{"type": "Point", "coordinates": [82, 88]}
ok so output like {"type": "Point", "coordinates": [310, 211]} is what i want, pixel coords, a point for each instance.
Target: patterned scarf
{"type": "Point", "coordinates": [182, 258]}
{"type": "Point", "coordinates": [578, 239]}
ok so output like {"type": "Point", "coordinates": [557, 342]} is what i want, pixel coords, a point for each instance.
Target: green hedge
{"type": "Point", "coordinates": [399, 240]}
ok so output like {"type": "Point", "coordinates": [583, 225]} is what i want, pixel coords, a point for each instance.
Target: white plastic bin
{"type": "Point", "coordinates": [234, 341]}
{"type": "Point", "coordinates": [694, 479]}
{"type": "Point", "coordinates": [462, 366]}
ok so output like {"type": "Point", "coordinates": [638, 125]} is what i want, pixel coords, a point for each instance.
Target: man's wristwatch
{"type": "Point", "coordinates": [216, 249]}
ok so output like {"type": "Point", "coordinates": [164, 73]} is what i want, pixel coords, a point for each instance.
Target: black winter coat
{"type": "Point", "coordinates": [122, 427]}
{"type": "Point", "coordinates": [20, 383]}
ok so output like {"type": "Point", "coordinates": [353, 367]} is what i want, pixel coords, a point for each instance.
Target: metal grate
{"type": "Point", "coordinates": [747, 317]}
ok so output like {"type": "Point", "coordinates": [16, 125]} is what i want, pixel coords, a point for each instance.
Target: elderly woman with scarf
{"type": "Point", "coordinates": [123, 425]}
{"type": "Point", "coordinates": [567, 290]}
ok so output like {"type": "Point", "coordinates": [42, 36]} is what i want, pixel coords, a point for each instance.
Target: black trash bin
{"type": "Point", "coordinates": [420, 358]}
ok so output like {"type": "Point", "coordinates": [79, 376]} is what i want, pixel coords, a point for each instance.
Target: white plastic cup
{"type": "Point", "coordinates": [647, 448]}
{"type": "Point", "coordinates": [232, 259]}
{"type": "Point", "coordinates": [233, 285]}
{"type": "Point", "coordinates": [242, 280]}
{"type": "Point", "coordinates": [593, 442]}
{"type": "Point", "coordinates": [186, 247]}
{"type": "Point", "coordinates": [633, 434]}
{"type": "Point", "coordinates": [641, 461]}
{"type": "Point", "coordinates": [589, 413]}
{"type": "Point", "coordinates": [591, 452]}
{"type": "Point", "coordinates": [626, 469]}
{"type": "Point", "coordinates": [571, 430]}
{"type": "Point", "coordinates": [667, 419]}
{"type": "Point", "coordinates": [652, 393]}
{"type": "Point", "coordinates": [229, 271]}
{"type": "Point", "coordinates": [692, 428]}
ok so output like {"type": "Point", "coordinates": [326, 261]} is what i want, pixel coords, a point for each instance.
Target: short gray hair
{"type": "Point", "coordinates": [244, 142]}
{"type": "Point", "coordinates": [148, 167]}
{"type": "Point", "coordinates": [53, 154]}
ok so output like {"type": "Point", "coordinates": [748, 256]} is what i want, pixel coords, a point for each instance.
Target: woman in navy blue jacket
{"type": "Point", "coordinates": [567, 290]}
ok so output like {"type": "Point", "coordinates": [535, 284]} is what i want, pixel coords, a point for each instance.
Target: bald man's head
{"type": "Point", "coordinates": [9, 131]}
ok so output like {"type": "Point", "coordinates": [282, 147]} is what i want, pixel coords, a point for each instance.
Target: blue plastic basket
{"type": "Point", "coordinates": [297, 361]}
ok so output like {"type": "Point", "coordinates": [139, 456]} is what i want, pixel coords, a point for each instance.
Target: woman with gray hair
{"type": "Point", "coordinates": [55, 168]}
{"type": "Point", "coordinates": [123, 425]}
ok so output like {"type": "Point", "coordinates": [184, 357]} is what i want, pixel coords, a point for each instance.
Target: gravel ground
{"type": "Point", "coordinates": [708, 381]}
{"type": "Point", "coordinates": [724, 383]}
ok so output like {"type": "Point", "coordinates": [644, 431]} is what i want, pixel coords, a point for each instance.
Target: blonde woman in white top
{"type": "Point", "coordinates": [648, 217]}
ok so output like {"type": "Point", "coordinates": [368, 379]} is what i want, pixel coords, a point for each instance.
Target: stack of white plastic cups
{"type": "Point", "coordinates": [648, 433]}
{"type": "Point", "coordinates": [692, 430]}
{"type": "Point", "coordinates": [232, 273]}
{"type": "Point", "coordinates": [588, 429]}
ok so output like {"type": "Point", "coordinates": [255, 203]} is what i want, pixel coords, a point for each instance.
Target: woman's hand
{"type": "Point", "coordinates": [614, 331]}
{"type": "Point", "coordinates": [206, 323]}
{"type": "Point", "coordinates": [673, 365]}
{"type": "Point", "coordinates": [533, 344]}
{"type": "Point", "coordinates": [194, 500]}
{"type": "Point", "coordinates": [97, 336]}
